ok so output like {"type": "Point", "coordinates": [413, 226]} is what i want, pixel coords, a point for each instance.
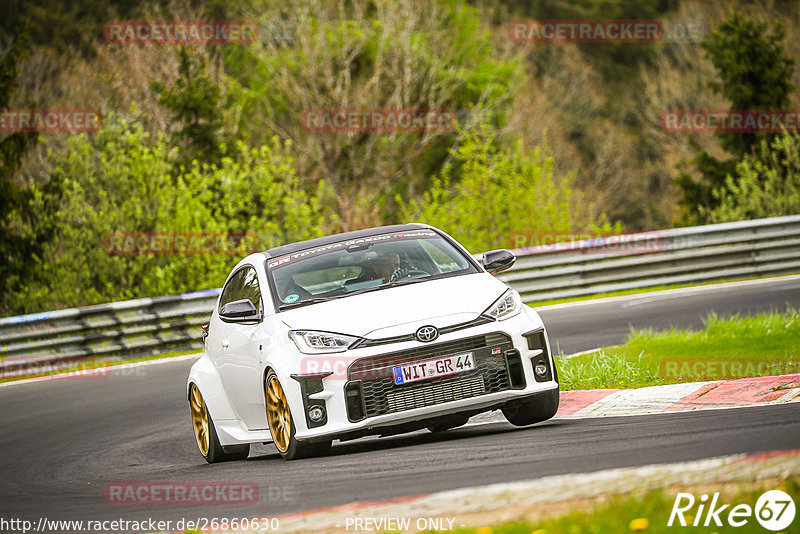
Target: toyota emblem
{"type": "Point", "coordinates": [427, 333]}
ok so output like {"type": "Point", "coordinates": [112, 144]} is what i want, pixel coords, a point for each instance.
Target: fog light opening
{"type": "Point", "coordinates": [540, 369]}
{"type": "Point", "coordinates": [316, 413]}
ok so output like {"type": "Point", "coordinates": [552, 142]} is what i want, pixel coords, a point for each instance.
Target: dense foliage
{"type": "Point", "coordinates": [754, 74]}
{"type": "Point", "coordinates": [764, 185]}
{"type": "Point", "coordinates": [487, 194]}
{"type": "Point", "coordinates": [548, 138]}
{"type": "Point", "coordinates": [118, 183]}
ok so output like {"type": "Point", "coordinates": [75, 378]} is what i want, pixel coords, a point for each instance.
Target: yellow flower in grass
{"type": "Point", "coordinates": [539, 531]}
{"type": "Point", "coordinates": [484, 530]}
{"type": "Point", "coordinates": [640, 523]}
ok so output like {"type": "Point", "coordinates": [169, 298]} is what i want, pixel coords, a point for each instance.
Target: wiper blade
{"type": "Point", "coordinates": [312, 300]}
{"type": "Point", "coordinates": [405, 282]}
{"type": "Point", "coordinates": [385, 286]}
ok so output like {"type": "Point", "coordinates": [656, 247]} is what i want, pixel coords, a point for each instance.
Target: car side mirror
{"type": "Point", "coordinates": [239, 311]}
{"type": "Point", "coordinates": [495, 261]}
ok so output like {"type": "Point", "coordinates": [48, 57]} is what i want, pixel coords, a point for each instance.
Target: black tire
{"type": "Point", "coordinates": [288, 446]}
{"type": "Point", "coordinates": [215, 452]}
{"type": "Point", "coordinates": [447, 423]}
{"type": "Point", "coordinates": [536, 409]}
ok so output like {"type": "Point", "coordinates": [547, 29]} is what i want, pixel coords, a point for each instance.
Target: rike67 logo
{"type": "Point", "coordinates": [774, 510]}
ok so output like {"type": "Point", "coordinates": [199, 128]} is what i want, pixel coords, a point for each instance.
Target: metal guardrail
{"type": "Point", "coordinates": [47, 341]}
{"type": "Point", "coordinates": [676, 256]}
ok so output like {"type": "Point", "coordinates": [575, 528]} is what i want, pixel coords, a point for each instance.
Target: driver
{"type": "Point", "coordinates": [387, 266]}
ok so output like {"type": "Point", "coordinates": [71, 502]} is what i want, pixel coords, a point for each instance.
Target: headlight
{"type": "Point", "coordinates": [506, 306]}
{"type": "Point", "coordinates": [312, 342]}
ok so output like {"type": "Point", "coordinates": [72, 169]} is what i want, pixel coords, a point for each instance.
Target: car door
{"type": "Point", "coordinates": [238, 355]}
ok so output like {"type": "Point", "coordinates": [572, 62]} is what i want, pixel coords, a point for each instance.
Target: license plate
{"type": "Point", "coordinates": [449, 365]}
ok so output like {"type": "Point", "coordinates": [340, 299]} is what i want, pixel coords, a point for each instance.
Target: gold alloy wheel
{"type": "Point", "coordinates": [278, 415]}
{"type": "Point", "coordinates": [199, 419]}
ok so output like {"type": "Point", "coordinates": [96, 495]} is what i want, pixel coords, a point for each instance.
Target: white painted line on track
{"type": "Point", "coordinates": [667, 293]}
{"type": "Point", "coordinates": [582, 353]}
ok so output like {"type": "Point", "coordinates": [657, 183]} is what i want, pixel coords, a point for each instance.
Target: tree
{"type": "Point", "coordinates": [23, 229]}
{"type": "Point", "coordinates": [766, 184]}
{"type": "Point", "coordinates": [195, 102]}
{"type": "Point", "coordinates": [754, 73]}
{"type": "Point", "coordinates": [118, 183]}
{"type": "Point", "coordinates": [366, 56]}
{"type": "Point", "coordinates": [486, 194]}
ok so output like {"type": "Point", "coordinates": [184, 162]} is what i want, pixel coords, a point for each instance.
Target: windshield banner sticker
{"type": "Point", "coordinates": [345, 244]}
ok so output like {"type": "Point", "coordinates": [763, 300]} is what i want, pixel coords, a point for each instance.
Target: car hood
{"type": "Point", "coordinates": [378, 313]}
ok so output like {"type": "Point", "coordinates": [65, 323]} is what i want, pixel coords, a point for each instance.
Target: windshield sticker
{"type": "Point", "coordinates": [291, 298]}
{"type": "Point", "coordinates": [344, 244]}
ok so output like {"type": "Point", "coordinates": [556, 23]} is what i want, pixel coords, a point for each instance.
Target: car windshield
{"type": "Point", "coordinates": [366, 264]}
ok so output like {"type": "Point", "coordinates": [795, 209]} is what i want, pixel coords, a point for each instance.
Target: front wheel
{"type": "Point", "coordinates": [206, 434]}
{"type": "Point", "coordinates": [536, 409]}
{"type": "Point", "coordinates": [281, 424]}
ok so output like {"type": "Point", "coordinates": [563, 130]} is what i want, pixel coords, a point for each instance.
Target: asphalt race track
{"type": "Point", "coordinates": [64, 440]}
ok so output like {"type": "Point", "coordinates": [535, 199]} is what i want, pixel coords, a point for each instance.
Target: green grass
{"type": "Point", "coordinates": [737, 347]}
{"type": "Point", "coordinates": [647, 512]}
{"type": "Point", "coordinates": [624, 292]}
{"type": "Point", "coordinates": [96, 363]}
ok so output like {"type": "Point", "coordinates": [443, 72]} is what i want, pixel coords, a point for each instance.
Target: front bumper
{"type": "Point", "coordinates": [365, 400]}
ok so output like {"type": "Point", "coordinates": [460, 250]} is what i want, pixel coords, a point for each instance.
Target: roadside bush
{"type": "Point", "coordinates": [766, 184]}
{"type": "Point", "coordinates": [119, 181]}
{"type": "Point", "coordinates": [486, 193]}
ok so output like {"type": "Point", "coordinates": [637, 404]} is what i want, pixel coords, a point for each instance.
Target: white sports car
{"type": "Point", "coordinates": [379, 331]}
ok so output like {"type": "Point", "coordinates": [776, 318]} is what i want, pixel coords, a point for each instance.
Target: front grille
{"type": "Point", "coordinates": [379, 395]}
{"type": "Point", "coordinates": [430, 394]}
{"type": "Point", "coordinates": [381, 366]}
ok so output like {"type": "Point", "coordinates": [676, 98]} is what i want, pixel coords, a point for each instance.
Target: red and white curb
{"type": "Point", "coordinates": [669, 398]}
{"type": "Point", "coordinates": [681, 397]}
{"type": "Point", "coordinates": [509, 501]}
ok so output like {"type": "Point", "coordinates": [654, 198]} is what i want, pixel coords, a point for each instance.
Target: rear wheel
{"type": "Point", "coordinates": [281, 424]}
{"type": "Point", "coordinates": [536, 409]}
{"type": "Point", "coordinates": [205, 433]}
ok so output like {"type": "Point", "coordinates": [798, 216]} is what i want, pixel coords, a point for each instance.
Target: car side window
{"type": "Point", "coordinates": [249, 288]}
{"type": "Point", "coordinates": [242, 285]}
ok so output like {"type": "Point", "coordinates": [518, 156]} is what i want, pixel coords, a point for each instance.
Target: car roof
{"type": "Point", "coordinates": [335, 238]}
